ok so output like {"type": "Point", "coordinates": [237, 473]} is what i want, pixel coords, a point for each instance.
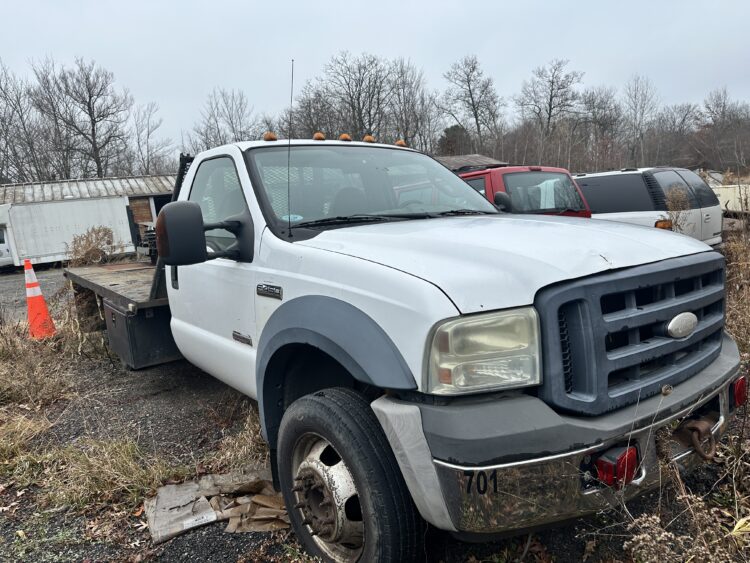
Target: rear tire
{"type": "Point", "coordinates": [341, 483]}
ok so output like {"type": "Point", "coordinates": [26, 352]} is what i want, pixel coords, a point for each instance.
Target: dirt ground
{"type": "Point", "coordinates": [181, 413]}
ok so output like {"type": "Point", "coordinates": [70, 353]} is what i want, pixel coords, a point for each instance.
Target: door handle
{"type": "Point", "coordinates": [707, 218]}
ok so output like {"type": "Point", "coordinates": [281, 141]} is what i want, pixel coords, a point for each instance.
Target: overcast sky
{"type": "Point", "coordinates": [176, 52]}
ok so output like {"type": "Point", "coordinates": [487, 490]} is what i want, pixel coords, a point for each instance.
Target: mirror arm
{"type": "Point", "coordinates": [231, 254]}
{"type": "Point", "coordinates": [231, 226]}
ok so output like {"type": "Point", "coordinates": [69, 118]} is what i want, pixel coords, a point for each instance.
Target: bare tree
{"type": "Point", "coordinates": [471, 99]}
{"type": "Point", "coordinates": [641, 104]}
{"type": "Point", "coordinates": [360, 89]}
{"type": "Point", "coordinates": [315, 111]}
{"type": "Point", "coordinates": [408, 105]}
{"type": "Point", "coordinates": [603, 115]}
{"type": "Point", "coordinates": [84, 100]}
{"type": "Point", "coordinates": [151, 153]}
{"type": "Point", "coordinates": [226, 117]}
{"type": "Point", "coordinates": [548, 96]}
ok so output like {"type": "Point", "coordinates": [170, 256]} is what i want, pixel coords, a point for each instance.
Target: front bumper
{"type": "Point", "coordinates": [459, 493]}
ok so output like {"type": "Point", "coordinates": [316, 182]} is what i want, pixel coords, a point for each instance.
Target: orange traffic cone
{"type": "Point", "coordinates": [40, 323]}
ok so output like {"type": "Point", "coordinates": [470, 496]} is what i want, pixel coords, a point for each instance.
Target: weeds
{"type": "Point", "coordinates": [240, 451]}
{"type": "Point", "coordinates": [16, 433]}
{"type": "Point", "coordinates": [95, 246]}
{"type": "Point", "coordinates": [737, 254]}
{"type": "Point", "coordinates": [104, 472]}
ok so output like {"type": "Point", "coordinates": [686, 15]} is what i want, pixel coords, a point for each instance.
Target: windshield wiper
{"type": "Point", "coordinates": [349, 219]}
{"type": "Point", "coordinates": [465, 212]}
{"type": "Point", "coordinates": [569, 210]}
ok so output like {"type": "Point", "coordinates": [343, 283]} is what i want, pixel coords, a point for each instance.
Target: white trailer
{"type": "Point", "coordinates": [734, 199]}
{"type": "Point", "coordinates": [43, 231]}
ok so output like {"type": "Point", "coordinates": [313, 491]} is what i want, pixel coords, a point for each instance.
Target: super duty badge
{"type": "Point", "coordinates": [272, 291]}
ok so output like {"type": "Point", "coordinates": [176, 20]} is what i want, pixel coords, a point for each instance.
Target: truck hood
{"type": "Point", "coordinates": [495, 262]}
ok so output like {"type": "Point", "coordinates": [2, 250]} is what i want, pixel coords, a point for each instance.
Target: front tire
{"type": "Point", "coordinates": [346, 497]}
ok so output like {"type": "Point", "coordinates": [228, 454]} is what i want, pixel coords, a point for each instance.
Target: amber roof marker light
{"type": "Point", "coordinates": [400, 143]}
{"type": "Point", "coordinates": [344, 137]}
{"type": "Point", "coordinates": [269, 136]}
{"type": "Point", "coordinates": [368, 139]}
{"type": "Point", "coordinates": [318, 136]}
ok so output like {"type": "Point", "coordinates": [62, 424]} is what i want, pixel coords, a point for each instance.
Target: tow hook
{"type": "Point", "coordinates": [696, 431]}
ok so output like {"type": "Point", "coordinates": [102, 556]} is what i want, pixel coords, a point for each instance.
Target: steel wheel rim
{"type": "Point", "coordinates": [326, 498]}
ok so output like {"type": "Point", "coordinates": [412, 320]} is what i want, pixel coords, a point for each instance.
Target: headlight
{"type": "Point", "coordinates": [485, 352]}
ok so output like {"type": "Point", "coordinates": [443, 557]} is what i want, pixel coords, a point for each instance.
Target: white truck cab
{"type": "Point", "coordinates": [419, 356]}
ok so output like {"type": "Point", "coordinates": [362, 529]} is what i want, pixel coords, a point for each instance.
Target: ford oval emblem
{"type": "Point", "coordinates": [682, 325]}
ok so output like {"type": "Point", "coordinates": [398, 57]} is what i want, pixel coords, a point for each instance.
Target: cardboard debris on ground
{"type": "Point", "coordinates": [247, 500]}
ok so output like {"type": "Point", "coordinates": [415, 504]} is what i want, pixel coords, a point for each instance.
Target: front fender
{"type": "Point", "coordinates": [339, 329]}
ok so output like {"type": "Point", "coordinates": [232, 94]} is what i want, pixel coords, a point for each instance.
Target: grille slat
{"type": "Point", "coordinates": [609, 332]}
{"type": "Point", "coordinates": [655, 311]}
{"type": "Point", "coordinates": [638, 353]}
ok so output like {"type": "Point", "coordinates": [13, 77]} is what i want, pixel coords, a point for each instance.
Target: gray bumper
{"type": "Point", "coordinates": [455, 491]}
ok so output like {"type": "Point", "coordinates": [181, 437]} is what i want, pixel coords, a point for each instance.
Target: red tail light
{"type": "Point", "coordinates": [617, 467]}
{"type": "Point", "coordinates": [739, 391]}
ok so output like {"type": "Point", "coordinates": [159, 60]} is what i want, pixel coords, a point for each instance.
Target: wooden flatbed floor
{"type": "Point", "coordinates": [127, 284]}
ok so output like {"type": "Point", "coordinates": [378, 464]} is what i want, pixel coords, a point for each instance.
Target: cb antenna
{"type": "Point", "coordinates": [289, 158]}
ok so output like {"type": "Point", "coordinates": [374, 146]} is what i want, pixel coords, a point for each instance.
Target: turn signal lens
{"type": "Point", "coordinates": [617, 467]}
{"type": "Point", "coordinates": [664, 224]}
{"type": "Point", "coordinates": [739, 391]}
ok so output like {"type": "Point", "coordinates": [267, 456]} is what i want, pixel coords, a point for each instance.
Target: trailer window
{"type": "Point", "coordinates": [217, 190]}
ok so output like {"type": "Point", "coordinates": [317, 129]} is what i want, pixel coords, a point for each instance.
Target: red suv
{"type": "Point", "coordinates": [530, 189]}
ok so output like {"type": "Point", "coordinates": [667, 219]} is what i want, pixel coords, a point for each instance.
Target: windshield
{"type": "Point", "coordinates": [327, 182]}
{"type": "Point", "coordinates": [532, 192]}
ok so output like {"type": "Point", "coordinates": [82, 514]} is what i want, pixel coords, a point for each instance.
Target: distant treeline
{"type": "Point", "coordinates": [68, 121]}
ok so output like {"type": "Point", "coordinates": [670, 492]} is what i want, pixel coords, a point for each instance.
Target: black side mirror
{"type": "Point", "coordinates": [502, 201]}
{"type": "Point", "coordinates": [180, 237]}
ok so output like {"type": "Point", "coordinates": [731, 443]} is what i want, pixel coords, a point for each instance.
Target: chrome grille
{"type": "Point", "coordinates": [605, 336]}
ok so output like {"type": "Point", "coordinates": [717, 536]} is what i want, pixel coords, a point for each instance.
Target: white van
{"type": "Point", "coordinates": [639, 196]}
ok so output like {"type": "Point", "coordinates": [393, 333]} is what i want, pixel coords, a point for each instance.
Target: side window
{"type": "Point", "coordinates": [706, 196]}
{"type": "Point", "coordinates": [677, 193]}
{"type": "Point", "coordinates": [2, 236]}
{"type": "Point", "coordinates": [478, 184]}
{"type": "Point", "coordinates": [616, 193]}
{"type": "Point", "coordinates": [216, 188]}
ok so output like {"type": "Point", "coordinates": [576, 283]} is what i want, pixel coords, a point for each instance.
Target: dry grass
{"type": "Point", "coordinates": [246, 449]}
{"type": "Point", "coordinates": [31, 372]}
{"type": "Point", "coordinates": [94, 246]}
{"type": "Point", "coordinates": [737, 253]}
{"type": "Point", "coordinates": [16, 434]}
{"type": "Point", "coordinates": [93, 473]}
{"type": "Point", "coordinates": [38, 373]}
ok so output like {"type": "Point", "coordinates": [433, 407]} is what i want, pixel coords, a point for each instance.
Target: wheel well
{"type": "Point", "coordinates": [296, 370]}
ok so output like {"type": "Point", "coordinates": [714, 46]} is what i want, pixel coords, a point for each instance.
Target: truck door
{"type": "Point", "coordinates": [682, 204]}
{"type": "Point", "coordinates": [213, 314]}
{"type": "Point", "coordinates": [5, 256]}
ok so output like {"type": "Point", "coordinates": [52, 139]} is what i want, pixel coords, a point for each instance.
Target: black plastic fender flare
{"type": "Point", "coordinates": [339, 329]}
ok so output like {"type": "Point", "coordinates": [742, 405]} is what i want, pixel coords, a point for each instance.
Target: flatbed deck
{"type": "Point", "coordinates": [127, 284]}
